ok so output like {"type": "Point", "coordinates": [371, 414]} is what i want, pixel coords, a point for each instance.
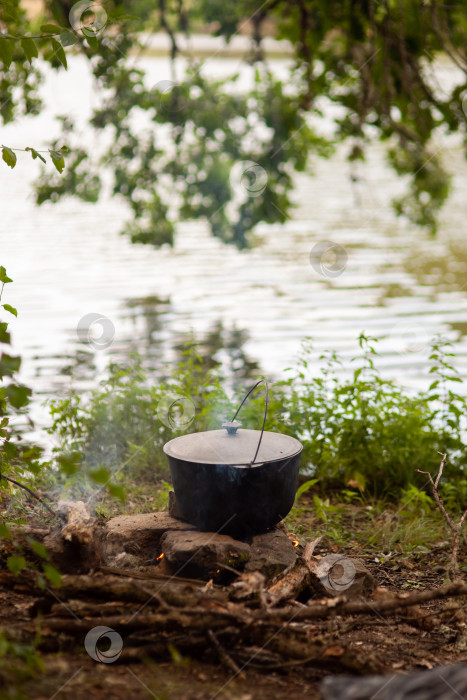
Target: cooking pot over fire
{"type": "Point", "coordinates": [233, 480]}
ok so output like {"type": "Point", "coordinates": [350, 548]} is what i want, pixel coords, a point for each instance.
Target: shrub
{"type": "Point", "coordinates": [362, 432]}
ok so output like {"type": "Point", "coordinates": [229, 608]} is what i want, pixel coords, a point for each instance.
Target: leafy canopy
{"type": "Point", "coordinates": [192, 146]}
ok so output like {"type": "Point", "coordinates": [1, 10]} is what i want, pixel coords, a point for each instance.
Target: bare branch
{"type": "Point", "coordinates": [456, 529]}
{"type": "Point", "coordinates": [26, 488]}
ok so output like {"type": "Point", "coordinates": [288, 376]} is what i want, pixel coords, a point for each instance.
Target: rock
{"type": "Point", "coordinates": [173, 509]}
{"type": "Point", "coordinates": [442, 683]}
{"type": "Point", "coordinates": [336, 574]}
{"type": "Point", "coordinates": [194, 553]}
{"type": "Point", "coordinates": [147, 535]}
{"type": "Point", "coordinates": [271, 553]}
{"type": "Point", "coordinates": [139, 535]}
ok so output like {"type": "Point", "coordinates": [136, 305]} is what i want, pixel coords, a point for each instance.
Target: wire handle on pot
{"type": "Point", "coordinates": [265, 412]}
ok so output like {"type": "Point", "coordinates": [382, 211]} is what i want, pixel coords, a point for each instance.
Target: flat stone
{"type": "Point", "coordinates": [271, 553]}
{"type": "Point", "coordinates": [173, 508]}
{"type": "Point", "coordinates": [202, 553]}
{"type": "Point", "coordinates": [139, 535]}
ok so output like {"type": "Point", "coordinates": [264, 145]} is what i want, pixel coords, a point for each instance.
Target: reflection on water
{"type": "Point", "coordinates": [152, 310]}
{"type": "Point", "coordinates": [444, 267]}
{"type": "Point", "coordinates": [223, 348]}
{"type": "Point", "coordinates": [460, 327]}
{"type": "Point", "coordinates": [80, 366]}
{"type": "Point", "coordinates": [150, 340]}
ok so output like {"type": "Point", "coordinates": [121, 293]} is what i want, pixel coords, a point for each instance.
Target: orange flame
{"type": "Point", "coordinates": [161, 556]}
{"type": "Point", "coordinates": [295, 543]}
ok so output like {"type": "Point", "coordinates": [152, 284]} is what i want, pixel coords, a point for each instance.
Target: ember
{"type": "Point", "coordinates": [161, 556]}
{"type": "Point", "coordinates": [295, 543]}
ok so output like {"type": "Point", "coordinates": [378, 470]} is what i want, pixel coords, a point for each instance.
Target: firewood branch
{"type": "Point", "coordinates": [455, 528]}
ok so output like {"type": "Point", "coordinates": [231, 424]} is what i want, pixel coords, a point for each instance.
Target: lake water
{"type": "Point", "coordinates": [250, 308]}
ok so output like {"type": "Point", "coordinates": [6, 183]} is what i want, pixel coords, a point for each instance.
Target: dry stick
{"type": "Point", "coordinates": [367, 607]}
{"type": "Point", "coordinates": [294, 579]}
{"type": "Point", "coordinates": [225, 658]}
{"type": "Point", "coordinates": [455, 529]}
{"type": "Point", "coordinates": [154, 575]}
{"type": "Point", "coordinates": [26, 488]}
{"type": "Point", "coordinates": [189, 604]}
{"type": "Point", "coordinates": [256, 624]}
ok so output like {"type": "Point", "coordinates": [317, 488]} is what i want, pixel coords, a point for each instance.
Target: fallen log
{"type": "Point", "coordinates": [80, 523]}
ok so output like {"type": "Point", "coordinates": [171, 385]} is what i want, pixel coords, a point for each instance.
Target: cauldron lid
{"type": "Point", "coordinates": [236, 449]}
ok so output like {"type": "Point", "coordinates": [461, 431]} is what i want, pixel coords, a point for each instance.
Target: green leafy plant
{"type": "Point", "coordinates": [17, 455]}
{"type": "Point", "coordinates": [361, 434]}
{"type": "Point", "coordinates": [365, 431]}
{"type": "Point", "coordinates": [18, 661]}
{"type": "Point", "coordinates": [119, 433]}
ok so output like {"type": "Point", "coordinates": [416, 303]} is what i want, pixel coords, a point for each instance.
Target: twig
{"type": "Point", "coordinates": [455, 529]}
{"type": "Point", "coordinates": [26, 488]}
{"type": "Point", "coordinates": [225, 658]}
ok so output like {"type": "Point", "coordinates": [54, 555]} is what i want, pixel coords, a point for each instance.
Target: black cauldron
{"type": "Point", "coordinates": [235, 481]}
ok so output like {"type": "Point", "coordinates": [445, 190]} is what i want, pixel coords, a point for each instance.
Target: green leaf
{"type": "Point", "coordinates": [35, 154]}
{"type": "Point", "coordinates": [3, 276]}
{"type": "Point", "coordinates": [59, 52]}
{"type": "Point", "coordinates": [38, 548]}
{"type": "Point", "coordinates": [67, 38]}
{"type": "Point", "coordinates": [92, 41]}
{"type": "Point", "coordinates": [18, 395]}
{"type": "Point", "coordinates": [117, 492]}
{"type": "Point", "coordinates": [6, 52]}
{"type": "Point", "coordinates": [69, 463]}
{"type": "Point", "coordinates": [50, 29]}
{"type": "Point", "coordinates": [11, 309]}
{"type": "Point", "coordinates": [58, 160]}
{"type": "Point", "coordinates": [9, 365]}
{"type": "Point", "coordinates": [4, 335]}
{"type": "Point", "coordinates": [100, 476]}
{"type": "Point", "coordinates": [8, 155]}
{"type": "Point", "coordinates": [304, 487]}
{"type": "Point", "coordinates": [52, 574]}
{"type": "Point", "coordinates": [29, 48]}
{"type": "Point", "coordinates": [15, 563]}
{"type": "Point", "coordinates": [357, 373]}
{"type": "Point", "coordinates": [4, 530]}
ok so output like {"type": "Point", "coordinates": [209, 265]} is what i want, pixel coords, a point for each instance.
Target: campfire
{"type": "Point", "coordinates": [218, 570]}
{"type": "Point", "coordinates": [160, 583]}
